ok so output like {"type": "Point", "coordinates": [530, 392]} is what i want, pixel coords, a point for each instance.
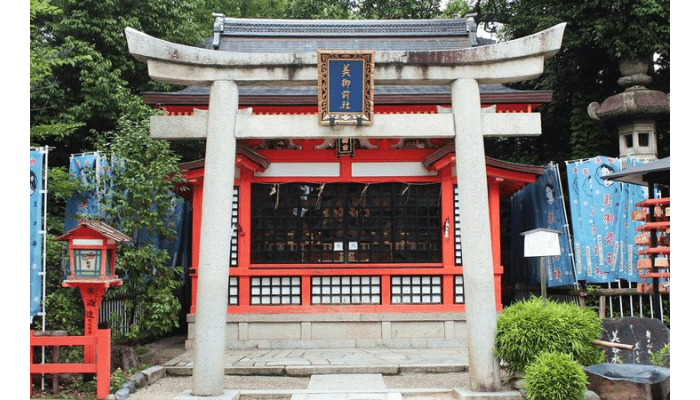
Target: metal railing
{"type": "Point", "coordinates": [113, 307]}
{"type": "Point", "coordinates": [612, 300]}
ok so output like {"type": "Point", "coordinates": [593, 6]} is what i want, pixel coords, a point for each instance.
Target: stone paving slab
{"type": "Point", "coordinates": [267, 370]}
{"type": "Point", "coordinates": [347, 381]}
{"type": "Point", "coordinates": [346, 396]}
{"type": "Point", "coordinates": [307, 362]}
{"type": "Point", "coordinates": [464, 394]}
{"type": "Point", "coordinates": [341, 369]}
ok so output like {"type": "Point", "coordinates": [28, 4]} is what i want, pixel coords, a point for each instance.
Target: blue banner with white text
{"type": "Point", "coordinates": [601, 221]}
{"type": "Point", "coordinates": [541, 205]}
{"type": "Point", "coordinates": [36, 240]}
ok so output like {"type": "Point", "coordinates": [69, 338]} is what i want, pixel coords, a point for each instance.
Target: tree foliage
{"type": "Point", "coordinates": [397, 9]}
{"type": "Point", "coordinates": [456, 8]}
{"type": "Point", "coordinates": [139, 200]}
{"type": "Point", "coordinates": [42, 59]}
{"type": "Point", "coordinates": [81, 68]}
{"type": "Point", "coordinates": [326, 9]}
{"type": "Point", "coordinates": [598, 35]}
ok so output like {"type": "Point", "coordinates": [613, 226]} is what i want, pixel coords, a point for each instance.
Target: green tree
{"type": "Point", "coordinates": [80, 63]}
{"type": "Point", "coordinates": [43, 57]}
{"type": "Point", "coordinates": [598, 35]}
{"type": "Point", "coordinates": [456, 8]}
{"type": "Point", "coordinates": [138, 200]}
{"type": "Point", "coordinates": [398, 9]}
{"type": "Point", "coordinates": [242, 9]}
{"type": "Point", "coordinates": [321, 9]}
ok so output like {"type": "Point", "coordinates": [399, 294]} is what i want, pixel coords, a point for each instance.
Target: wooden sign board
{"type": "Point", "coordinates": [541, 242]}
{"type": "Point", "coordinates": [345, 87]}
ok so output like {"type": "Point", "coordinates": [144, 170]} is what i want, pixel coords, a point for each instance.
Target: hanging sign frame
{"type": "Point", "coordinates": [345, 87]}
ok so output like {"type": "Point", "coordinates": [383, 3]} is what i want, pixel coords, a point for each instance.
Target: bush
{"type": "Point", "coordinates": [662, 358]}
{"type": "Point", "coordinates": [554, 376]}
{"type": "Point", "coordinates": [528, 328]}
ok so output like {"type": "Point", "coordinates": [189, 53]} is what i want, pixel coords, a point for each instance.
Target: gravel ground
{"type": "Point", "coordinates": [170, 386]}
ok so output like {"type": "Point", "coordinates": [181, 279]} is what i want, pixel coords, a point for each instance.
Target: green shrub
{"type": "Point", "coordinates": [662, 358]}
{"type": "Point", "coordinates": [528, 328]}
{"type": "Point", "coordinates": [555, 376]}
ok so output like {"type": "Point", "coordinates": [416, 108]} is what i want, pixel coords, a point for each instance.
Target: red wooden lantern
{"type": "Point", "coordinates": [93, 246]}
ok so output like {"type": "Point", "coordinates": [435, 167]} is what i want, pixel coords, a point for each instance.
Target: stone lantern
{"type": "Point", "coordinates": [633, 112]}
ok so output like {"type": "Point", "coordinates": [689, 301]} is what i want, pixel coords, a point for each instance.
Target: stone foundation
{"type": "Point", "coordinates": [297, 331]}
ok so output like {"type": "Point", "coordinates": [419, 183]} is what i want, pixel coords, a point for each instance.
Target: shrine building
{"type": "Point", "coordinates": [348, 242]}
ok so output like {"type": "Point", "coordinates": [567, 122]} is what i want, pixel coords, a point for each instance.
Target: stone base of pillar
{"type": "Point", "coordinates": [465, 394]}
{"type": "Point", "coordinates": [226, 395]}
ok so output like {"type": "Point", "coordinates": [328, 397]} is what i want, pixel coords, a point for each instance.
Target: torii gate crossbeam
{"type": "Point", "coordinates": [463, 69]}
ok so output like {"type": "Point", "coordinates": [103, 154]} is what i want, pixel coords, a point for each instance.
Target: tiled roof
{"type": "Point", "coordinates": [341, 28]}
{"type": "Point", "coordinates": [99, 227]}
{"type": "Point", "coordinates": [300, 36]}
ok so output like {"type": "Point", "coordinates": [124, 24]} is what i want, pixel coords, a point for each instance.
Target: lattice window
{"type": "Point", "coordinates": [424, 289]}
{"type": "Point", "coordinates": [346, 223]}
{"type": "Point", "coordinates": [457, 230]}
{"type": "Point", "coordinates": [234, 228]}
{"type": "Point", "coordinates": [459, 289]}
{"type": "Point", "coordinates": [275, 290]}
{"type": "Point", "coordinates": [346, 290]}
{"type": "Point", "coordinates": [233, 290]}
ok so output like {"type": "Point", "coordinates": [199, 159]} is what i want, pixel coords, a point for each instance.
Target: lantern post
{"type": "Point", "coordinates": [92, 246]}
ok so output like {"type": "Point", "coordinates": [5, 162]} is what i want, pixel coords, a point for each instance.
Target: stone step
{"type": "Point", "coordinates": [347, 387]}
{"type": "Point", "coordinates": [346, 396]}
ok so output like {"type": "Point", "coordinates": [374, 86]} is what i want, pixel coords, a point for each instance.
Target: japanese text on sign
{"type": "Point", "coordinates": [345, 92]}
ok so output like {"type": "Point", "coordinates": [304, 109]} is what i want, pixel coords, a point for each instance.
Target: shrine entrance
{"type": "Point", "coordinates": [346, 225]}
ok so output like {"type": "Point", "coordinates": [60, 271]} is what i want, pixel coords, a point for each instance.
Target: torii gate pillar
{"type": "Point", "coordinates": [463, 69]}
{"type": "Point", "coordinates": [472, 190]}
{"type": "Point", "coordinates": [212, 281]}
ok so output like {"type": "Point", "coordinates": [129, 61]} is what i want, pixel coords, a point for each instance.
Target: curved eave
{"type": "Point", "coordinates": [511, 176]}
{"type": "Point", "coordinates": [245, 158]}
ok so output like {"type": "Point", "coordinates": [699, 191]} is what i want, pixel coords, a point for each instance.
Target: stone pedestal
{"type": "Point", "coordinates": [628, 381]}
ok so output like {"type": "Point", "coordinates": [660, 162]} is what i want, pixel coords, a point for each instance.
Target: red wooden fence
{"type": "Point", "coordinates": [99, 366]}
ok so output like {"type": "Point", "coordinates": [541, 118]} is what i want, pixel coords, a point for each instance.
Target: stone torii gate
{"type": "Point", "coordinates": [462, 69]}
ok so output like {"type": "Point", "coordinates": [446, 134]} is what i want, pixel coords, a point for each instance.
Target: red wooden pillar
{"type": "Point", "coordinates": [245, 210]}
{"type": "Point", "coordinates": [448, 234]}
{"type": "Point", "coordinates": [104, 338]}
{"type": "Point", "coordinates": [92, 293]}
{"type": "Point", "coordinates": [197, 191]}
{"type": "Point", "coordinates": [92, 299]}
{"type": "Point", "coordinates": [494, 186]}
